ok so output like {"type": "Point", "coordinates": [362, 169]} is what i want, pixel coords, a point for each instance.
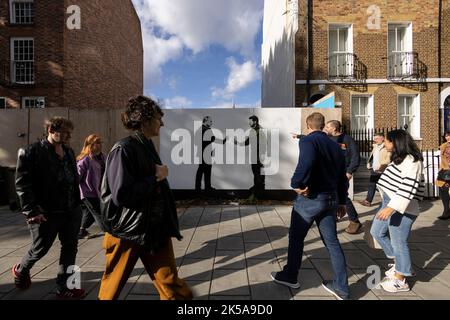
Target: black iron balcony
{"type": "Point", "coordinates": [346, 66]}
{"type": "Point", "coordinates": [403, 65]}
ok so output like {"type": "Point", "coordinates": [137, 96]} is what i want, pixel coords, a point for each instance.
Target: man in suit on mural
{"type": "Point", "coordinates": [205, 166]}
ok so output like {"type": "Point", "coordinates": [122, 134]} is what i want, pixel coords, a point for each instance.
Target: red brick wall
{"type": "Point", "coordinates": [103, 60]}
{"type": "Point", "coordinates": [446, 39]}
{"type": "Point", "coordinates": [371, 48]}
{"type": "Point", "coordinates": [48, 38]}
{"type": "Point", "coordinates": [99, 66]}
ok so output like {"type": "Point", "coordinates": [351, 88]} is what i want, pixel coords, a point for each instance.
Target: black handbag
{"type": "Point", "coordinates": [374, 178]}
{"type": "Point", "coordinates": [444, 175]}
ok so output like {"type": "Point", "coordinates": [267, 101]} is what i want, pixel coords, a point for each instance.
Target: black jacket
{"type": "Point", "coordinates": [39, 181]}
{"type": "Point", "coordinates": [350, 148]}
{"type": "Point", "coordinates": [134, 206]}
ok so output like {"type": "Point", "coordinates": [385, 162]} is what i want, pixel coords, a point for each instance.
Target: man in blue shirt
{"type": "Point", "coordinates": [321, 185]}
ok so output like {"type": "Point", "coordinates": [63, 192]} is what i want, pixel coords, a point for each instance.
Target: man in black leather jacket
{"type": "Point", "coordinates": [47, 186]}
{"type": "Point", "coordinates": [138, 208]}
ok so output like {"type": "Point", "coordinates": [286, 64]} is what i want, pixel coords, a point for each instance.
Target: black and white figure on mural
{"type": "Point", "coordinates": [257, 142]}
{"type": "Point", "coordinates": [206, 157]}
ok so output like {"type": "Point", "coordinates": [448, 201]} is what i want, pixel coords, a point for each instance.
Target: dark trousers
{"type": "Point", "coordinates": [258, 180]}
{"type": "Point", "coordinates": [372, 185]}
{"type": "Point", "coordinates": [88, 217]}
{"type": "Point", "coordinates": [203, 169]}
{"type": "Point", "coordinates": [443, 193]}
{"type": "Point", "coordinates": [322, 210]}
{"type": "Point", "coordinates": [65, 225]}
{"type": "Point", "coordinates": [351, 211]}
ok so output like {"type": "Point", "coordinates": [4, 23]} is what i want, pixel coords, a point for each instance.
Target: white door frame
{"type": "Point", "coordinates": [444, 94]}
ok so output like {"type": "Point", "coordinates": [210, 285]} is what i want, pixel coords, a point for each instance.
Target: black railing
{"type": "Point", "coordinates": [364, 141]}
{"type": "Point", "coordinates": [364, 138]}
{"type": "Point", "coordinates": [403, 65]}
{"type": "Point", "coordinates": [346, 66]}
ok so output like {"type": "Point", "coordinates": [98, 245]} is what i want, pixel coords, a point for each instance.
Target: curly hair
{"type": "Point", "coordinates": [140, 109]}
{"type": "Point", "coordinates": [56, 124]}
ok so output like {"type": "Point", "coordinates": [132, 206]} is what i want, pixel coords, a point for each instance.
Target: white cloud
{"type": "Point", "coordinates": [171, 26]}
{"type": "Point", "coordinates": [241, 75]}
{"type": "Point", "coordinates": [177, 103]}
{"type": "Point", "coordinates": [158, 50]}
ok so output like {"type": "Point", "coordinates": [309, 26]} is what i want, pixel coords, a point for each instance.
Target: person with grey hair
{"type": "Point", "coordinates": [138, 208]}
{"type": "Point", "coordinates": [334, 130]}
{"type": "Point", "coordinates": [378, 160]}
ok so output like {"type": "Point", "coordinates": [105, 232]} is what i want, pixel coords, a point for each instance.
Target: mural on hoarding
{"type": "Point", "coordinates": [230, 149]}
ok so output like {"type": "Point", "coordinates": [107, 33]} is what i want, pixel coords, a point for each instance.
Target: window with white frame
{"type": "Point", "coordinates": [2, 103]}
{"type": "Point", "coordinates": [22, 11]}
{"type": "Point", "coordinates": [340, 50]}
{"type": "Point", "coordinates": [400, 47]}
{"type": "Point", "coordinates": [33, 102]}
{"type": "Point", "coordinates": [408, 114]}
{"type": "Point", "coordinates": [362, 113]}
{"type": "Point", "coordinates": [22, 60]}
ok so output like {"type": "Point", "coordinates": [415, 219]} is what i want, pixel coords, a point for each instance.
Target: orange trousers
{"type": "Point", "coordinates": [121, 257]}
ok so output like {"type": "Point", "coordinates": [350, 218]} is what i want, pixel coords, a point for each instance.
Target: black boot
{"type": "Point", "coordinates": [444, 216]}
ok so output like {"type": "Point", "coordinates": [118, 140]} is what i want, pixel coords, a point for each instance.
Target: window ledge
{"type": "Point", "coordinates": [18, 25]}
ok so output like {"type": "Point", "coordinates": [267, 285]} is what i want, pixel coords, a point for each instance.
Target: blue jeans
{"type": "Point", "coordinates": [392, 235]}
{"type": "Point", "coordinates": [321, 209]}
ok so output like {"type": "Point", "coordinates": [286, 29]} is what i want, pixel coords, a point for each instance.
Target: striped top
{"type": "Point", "coordinates": [404, 184]}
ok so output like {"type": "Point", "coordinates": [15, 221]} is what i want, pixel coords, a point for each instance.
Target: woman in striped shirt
{"type": "Point", "coordinates": [401, 187]}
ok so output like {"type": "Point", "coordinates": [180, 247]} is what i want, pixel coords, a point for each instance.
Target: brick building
{"type": "Point", "coordinates": [387, 62]}
{"type": "Point", "coordinates": [44, 63]}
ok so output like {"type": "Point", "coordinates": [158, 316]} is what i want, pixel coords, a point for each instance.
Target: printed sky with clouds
{"type": "Point", "coordinates": [202, 53]}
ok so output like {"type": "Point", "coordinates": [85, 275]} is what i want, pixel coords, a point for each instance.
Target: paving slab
{"type": "Point", "coordinates": [259, 270]}
{"type": "Point", "coordinates": [230, 243]}
{"type": "Point", "coordinates": [196, 269]}
{"type": "Point", "coordinates": [229, 251]}
{"type": "Point", "coordinates": [269, 291]}
{"type": "Point", "coordinates": [230, 283]}
{"type": "Point", "coordinates": [227, 259]}
{"type": "Point", "coordinates": [259, 251]}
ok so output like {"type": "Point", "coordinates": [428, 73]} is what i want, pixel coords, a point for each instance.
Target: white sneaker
{"type": "Point", "coordinates": [395, 285]}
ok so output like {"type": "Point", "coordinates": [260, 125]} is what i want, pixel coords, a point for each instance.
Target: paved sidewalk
{"type": "Point", "coordinates": [229, 251]}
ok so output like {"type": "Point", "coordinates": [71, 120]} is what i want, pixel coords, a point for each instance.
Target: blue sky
{"type": "Point", "coordinates": [202, 53]}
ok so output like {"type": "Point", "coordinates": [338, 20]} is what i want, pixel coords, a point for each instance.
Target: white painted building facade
{"type": "Point", "coordinates": [278, 74]}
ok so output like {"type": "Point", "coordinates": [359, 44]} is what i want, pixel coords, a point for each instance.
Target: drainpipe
{"type": "Point", "coordinates": [293, 9]}
{"type": "Point", "coordinates": [440, 84]}
{"type": "Point", "coordinates": [309, 54]}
